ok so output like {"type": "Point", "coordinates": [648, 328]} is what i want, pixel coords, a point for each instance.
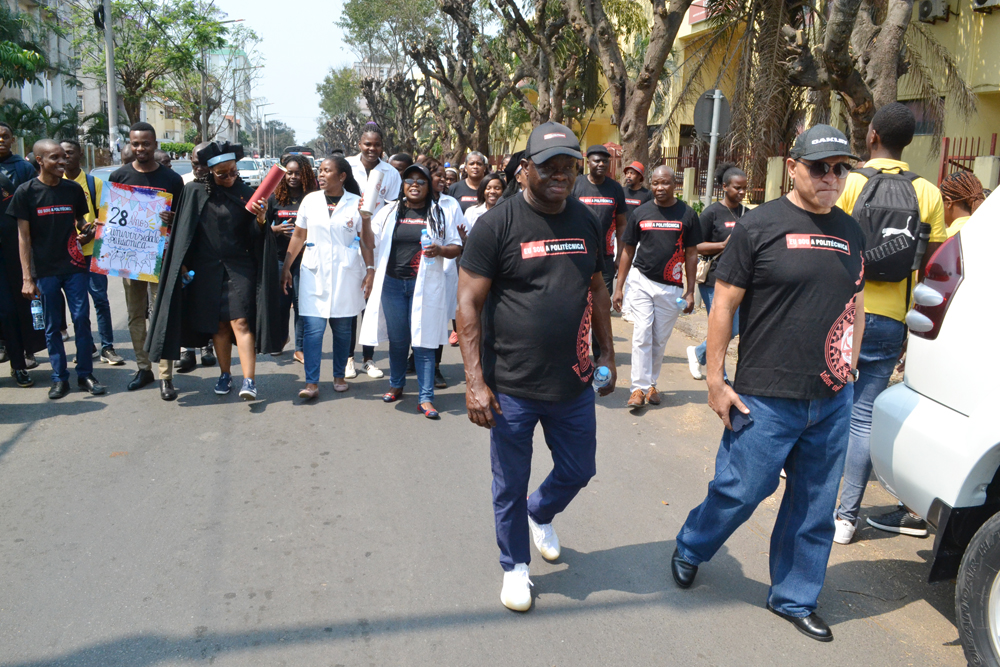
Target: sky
{"type": "Point", "coordinates": [299, 44]}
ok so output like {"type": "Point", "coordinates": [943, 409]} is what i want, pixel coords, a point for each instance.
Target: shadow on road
{"type": "Point", "coordinates": [28, 413]}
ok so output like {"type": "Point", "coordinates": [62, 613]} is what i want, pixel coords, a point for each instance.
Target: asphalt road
{"type": "Point", "coordinates": [135, 533]}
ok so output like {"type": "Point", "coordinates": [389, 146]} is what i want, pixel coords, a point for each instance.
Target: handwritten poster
{"type": "Point", "coordinates": [130, 235]}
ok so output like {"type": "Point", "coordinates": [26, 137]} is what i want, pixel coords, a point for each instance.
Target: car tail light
{"type": "Point", "coordinates": [932, 297]}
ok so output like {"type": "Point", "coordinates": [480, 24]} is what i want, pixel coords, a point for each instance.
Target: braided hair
{"type": "Point", "coordinates": [964, 189]}
{"type": "Point", "coordinates": [434, 212]}
{"type": "Point", "coordinates": [372, 127]}
{"type": "Point", "coordinates": [309, 184]}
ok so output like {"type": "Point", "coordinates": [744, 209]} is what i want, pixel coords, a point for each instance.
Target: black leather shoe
{"type": "Point", "coordinates": [811, 626]}
{"type": "Point", "coordinates": [167, 391]}
{"type": "Point", "coordinates": [683, 571]}
{"type": "Point", "coordinates": [140, 380]}
{"type": "Point", "coordinates": [186, 363]}
{"type": "Point", "coordinates": [59, 389]}
{"type": "Point", "coordinates": [207, 355]}
{"type": "Point", "coordinates": [22, 378]}
{"type": "Point", "coordinates": [90, 384]}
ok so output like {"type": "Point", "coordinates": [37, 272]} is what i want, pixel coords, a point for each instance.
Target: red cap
{"type": "Point", "coordinates": [638, 167]}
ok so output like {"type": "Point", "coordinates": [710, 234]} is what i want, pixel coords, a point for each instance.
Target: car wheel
{"type": "Point", "coordinates": [977, 596]}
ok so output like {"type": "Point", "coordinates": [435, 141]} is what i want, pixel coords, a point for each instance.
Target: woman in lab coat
{"type": "Point", "coordinates": [337, 268]}
{"type": "Point", "coordinates": [409, 302]}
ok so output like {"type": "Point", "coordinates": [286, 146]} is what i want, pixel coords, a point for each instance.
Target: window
{"type": "Point", "coordinates": [928, 115]}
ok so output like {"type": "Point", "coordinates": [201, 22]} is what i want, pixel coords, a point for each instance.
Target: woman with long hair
{"type": "Point", "coordinates": [409, 303]}
{"type": "Point", "coordinates": [282, 210]}
{"type": "Point", "coordinates": [488, 194]}
{"type": "Point", "coordinates": [337, 268]}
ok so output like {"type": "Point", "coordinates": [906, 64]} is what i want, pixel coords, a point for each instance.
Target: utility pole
{"type": "Point", "coordinates": [204, 94]}
{"type": "Point", "coordinates": [109, 72]}
{"type": "Point", "coordinates": [259, 147]}
{"type": "Point", "coordinates": [269, 135]}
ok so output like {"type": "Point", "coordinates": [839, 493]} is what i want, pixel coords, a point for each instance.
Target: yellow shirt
{"type": "Point", "coordinates": [889, 299]}
{"type": "Point", "coordinates": [81, 178]}
{"type": "Point", "coordinates": [957, 224]}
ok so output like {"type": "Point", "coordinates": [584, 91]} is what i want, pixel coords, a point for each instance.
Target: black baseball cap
{"type": "Point", "coordinates": [417, 166]}
{"type": "Point", "coordinates": [598, 149]}
{"type": "Point", "coordinates": [549, 140]}
{"type": "Point", "coordinates": [820, 142]}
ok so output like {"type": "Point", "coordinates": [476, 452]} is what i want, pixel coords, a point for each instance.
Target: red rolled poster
{"type": "Point", "coordinates": [267, 185]}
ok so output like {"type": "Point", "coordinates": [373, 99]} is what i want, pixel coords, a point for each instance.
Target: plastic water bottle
{"type": "Point", "coordinates": [187, 278]}
{"type": "Point", "coordinates": [37, 316]}
{"type": "Point", "coordinates": [426, 242]}
{"type": "Point", "coordinates": [602, 376]}
{"type": "Point", "coordinates": [681, 303]}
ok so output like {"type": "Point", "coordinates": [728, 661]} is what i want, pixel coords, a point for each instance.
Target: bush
{"type": "Point", "coordinates": [179, 148]}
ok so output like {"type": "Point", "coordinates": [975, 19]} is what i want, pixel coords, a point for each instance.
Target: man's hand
{"type": "Point", "coordinates": [607, 360]}
{"type": "Point", "coordinates": [721, 397]}
{"type": "Point", "coordinates": [28, 289]}
{"type": "Point", "coordinates": [480, 402]}
{"type": "Point", "coordinates": [616, 300]}
{"type": "Point", "coordinates": [689, 297]}
{"type": "Point", "coordinates": [167, 217]}
{"type": "Point", "coordinates": [86, 235]}
{"type": "Point", "coordinates": [368, 283]}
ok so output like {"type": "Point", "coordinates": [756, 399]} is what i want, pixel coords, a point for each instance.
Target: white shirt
{"type": "Point", "coordinates": [472, 214]}
{"type": "Point", "coordinates": [391, 180]}
{"type": "Point", "coordinates": [332, 267]}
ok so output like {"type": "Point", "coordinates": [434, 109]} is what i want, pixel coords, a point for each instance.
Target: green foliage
{"type": "Point", "coordinates": [339, 92]}
{"type": "Point", "coordinates": [379, 30]}
{"type": "Point", "coordinates": [20, 60]}
{"type": "Point", "coordinates": [179, 148]}
{"type": "Point", "coordinates": [282, 135]}
{"type": "Point", "coordinates": [40, 121]}
{"type": "Point", "coordinates": [192, 136]}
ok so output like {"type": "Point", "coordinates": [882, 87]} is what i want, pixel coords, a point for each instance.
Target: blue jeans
{"type": "Point", "coordinates": [75, 285]}
{"type": "Point", "coordinates": [98, 288]}
{"type": "Point", "coordinates": [808, 438]}
{"type": "Point", "coordinates": [285, 303]}
{"type": "Point", "coordinates": [880, 348]}
{"type": "Point", "coordinates": [313, 329]}
{"type": "Point", "coordinates": [397, 304]}
{"type": "Point", "coordinates": [570, 429]}
{"type": "Point", "coordinates": [707, 295]}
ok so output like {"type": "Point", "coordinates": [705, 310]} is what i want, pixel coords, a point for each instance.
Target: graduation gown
{"type": "Point", "coordinates": [167, 324]}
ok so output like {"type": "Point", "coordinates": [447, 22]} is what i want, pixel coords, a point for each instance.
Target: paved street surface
{"type": "Point", "coordinates": [135, 533]}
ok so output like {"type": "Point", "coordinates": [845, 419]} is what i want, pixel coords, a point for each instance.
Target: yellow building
{"type": "Point", "coordinates": [169, 128]}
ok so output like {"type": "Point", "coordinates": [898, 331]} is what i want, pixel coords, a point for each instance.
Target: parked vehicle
{"type": "Point", "coordinates": [935, 441]}
{"type": "Point", "coordinates": [250, 171]}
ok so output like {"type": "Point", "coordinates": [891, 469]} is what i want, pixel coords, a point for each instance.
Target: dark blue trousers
{"type": "Point", "coordinates": [76, 286]}
{"type": "Point", "coordinates": [570, 429]}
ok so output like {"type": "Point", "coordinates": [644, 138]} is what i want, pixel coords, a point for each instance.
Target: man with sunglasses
{"type": "Point", "coordinates": [534, 263]}
{"type": "Point", "coordinates": [795, 264]}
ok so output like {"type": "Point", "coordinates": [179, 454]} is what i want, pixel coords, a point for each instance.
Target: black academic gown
{"type": "Point", "coordinates": [167, 330]}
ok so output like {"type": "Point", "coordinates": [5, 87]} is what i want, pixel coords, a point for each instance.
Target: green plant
{"type": "Point", "coordinates": [179, 148]}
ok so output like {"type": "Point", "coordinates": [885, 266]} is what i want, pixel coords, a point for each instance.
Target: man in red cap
{"type": "Point", "coordinates": [635, 194]}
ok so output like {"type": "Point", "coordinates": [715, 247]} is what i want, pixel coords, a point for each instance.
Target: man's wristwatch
{"type": "Point", "coordinates": [855, 373]}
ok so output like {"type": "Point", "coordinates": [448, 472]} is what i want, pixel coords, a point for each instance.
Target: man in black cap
{"type": "Point", "coordinates": [796, 265]}
{"type": "Point", "coordinates": [535, 263]}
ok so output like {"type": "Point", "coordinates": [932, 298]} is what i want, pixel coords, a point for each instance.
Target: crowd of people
{"type": "Point", "coordinates": [521, 268]}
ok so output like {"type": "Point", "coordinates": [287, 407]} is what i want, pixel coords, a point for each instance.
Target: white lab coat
{"type": "Point", "coordinates": [472, 214]}
{"type": "Point", "coordinates": [332, 267]}
{"type": "Point", "coordinates": [391, 180]}
{"type": "Point", "coordinates": [429, 316]}
{"type": "Point", "coordinates": [452, 213]}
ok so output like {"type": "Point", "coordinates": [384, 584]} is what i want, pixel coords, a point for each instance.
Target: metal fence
{"type": "Point", "coordinates": [960, 153]}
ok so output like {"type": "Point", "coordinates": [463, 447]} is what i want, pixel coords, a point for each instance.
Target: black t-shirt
{"type": "Point", "coordinates": [604, 201]}
{"type": "Point", "coordinates": [52, 212]}
{"type": "Point", "coordinates": [465, 195]}
{"type": "Point", "coordinates": [404, 262]}
{"type": "Point", "coordinates": [661, 234]}
{"type": "Point", "coordinates": [281, 213]}
{"type": "Point", "coordinates": [160, 178]}
{"type": "Point", "coordinates": [800, 272]}
{"type": "Point", "coordinates": [717, 222]}
{"type": "Point", "coordinates": [636, 198]}
{"type": "Point", "coordinates": [536, 321]}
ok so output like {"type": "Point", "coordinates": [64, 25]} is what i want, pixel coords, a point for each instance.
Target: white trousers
{"type": "Point", "coordinates": [655, 310]}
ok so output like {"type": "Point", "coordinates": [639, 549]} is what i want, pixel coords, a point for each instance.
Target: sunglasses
{"type": "Point", "coordinates": [820, 169]}
{"type": "Point", "coordinates": [415, 181]}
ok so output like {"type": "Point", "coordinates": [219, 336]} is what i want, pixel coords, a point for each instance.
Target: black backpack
{"type": "Point", "coordinates": [889, 214]}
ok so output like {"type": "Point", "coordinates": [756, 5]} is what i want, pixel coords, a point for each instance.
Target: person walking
{"type": "Point", "coordinates": [635, 194]}
{"type": "Point", "coordinates": [409, 298]}
{"type": "Point", "coordinates": [466, 190]}
{"type": "Point", "coordinates": [961, 193]}
{"type": "Point", "coordinates": [717, 222]}
{"type": "Point", "coordinates": [487, 195]}
{"type": "Point", "coordinates": [887, 298]}
{"type": "Point", "coordinates": [52, 229]}
{"type": "Point", "coordinates": [796, 264]}
{"type": "Point", "coordinates": [530, 289]}
{"type": "Point", "coordinates": [660, 246]}
{"type": "Point", "coordinates": [145, 171]}
{"type": "Point", "coordinates": [337, 268]}
{"type": "Point", "coordinates": [223, 237]}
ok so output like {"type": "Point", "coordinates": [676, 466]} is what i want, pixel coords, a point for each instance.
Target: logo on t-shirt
{"type": "Point", "coordinates": [632, 202]}
{"type": "Point", "coordinates": [597, 201]}
{"type": "Point", "coordinates": [53, 210]}
{"type": "Point", "coordinates": [839, 346]}
{"type": "Point", "coordinates": [584, 367]}
{"type": "Point", "coordinates": [469, 198]}
{"type": "Point", "coordinates": [76, 257]}
{"type": "Point", "coordinates": [554, 247]}
{"type": "Point", "coordinates": [286, 214]}
{"type": "Point", "coordinates": [730, 225]}
{"type": "Point", "coordinates": [412, 221]}
{"type": "Point", "coordinates": [664, 225]}
{"type": "Point", "coordinates": [799, 241]}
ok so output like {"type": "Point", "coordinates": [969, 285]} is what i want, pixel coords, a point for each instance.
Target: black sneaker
{"type": "Point", "coordinates": [900, 521]}
{"type": "Point", "coordinates": [109, 356]}
{"type": "Point", "coordinates": [208, 355]}
{"type": "Point", "coordinates": [22, 378]}
{"type": "Point", "coordinates": [186, 363]}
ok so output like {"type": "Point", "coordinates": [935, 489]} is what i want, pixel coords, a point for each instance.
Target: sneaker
{"type": "Point", "coordinates": [845, 530]}
{"type": "Point", "coordinates": [697, 370]}
{"type": "Point", "coordinates": [224, 385]}
{"type": "Point", "coordinates": [94, 353]}
{"type": "Point", "coordinates": [900, 521]}
{"type": "Point", "coordinates": [516, 592]}
{"type": "Point", "coordinates": [249, 390]}
{"type": "Point", "coordinates": [350, 372]}
{"type": "Point", "coordinates": [22, 378]}
{"type": "Point", "coordinates": [208, 355]}
{"type": "Point", "coordinates": [109, 356]}
{"type": "Point", "coordinates": [628, 317]}
{"type": "Point", "coordinates": [30, 361]}
{"type": "Point", "coordinates": [453, 339]}
{"type": "Point", "coordinates": [545, 539]}
{"type": "Point", "coordinates": [372, 370]}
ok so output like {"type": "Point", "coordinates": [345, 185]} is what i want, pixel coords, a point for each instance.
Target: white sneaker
{"type": "Point", "coordinates": [697, 370]}
{"type": "Point", "coordinates": [545, 539]}
{"type": "Point", "coordinates": [628, 317]}
{"type": "Point", "coordinates": [372, 370]}
{"type": "Point", "coordinates": [350, 372]}
{"type": "Point", "coordinates": [516, 592]}
{"type": "Point", "coordinates": [845, 530]}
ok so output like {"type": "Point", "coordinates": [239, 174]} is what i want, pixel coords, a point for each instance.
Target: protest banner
{"type": "Point", "coordinates": [130, 235]}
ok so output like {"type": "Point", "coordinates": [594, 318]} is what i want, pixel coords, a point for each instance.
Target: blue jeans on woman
{"type": "Point", "coordinates": [707, 294]}
{"type": "Point", "coordinates": [808, 438]}
{"type": "Point", "coordinates": [313, 329]}
{"type": "Point", "coordinates": [397, 305]}
{"type": "Point", "coordinates": [880, 348]}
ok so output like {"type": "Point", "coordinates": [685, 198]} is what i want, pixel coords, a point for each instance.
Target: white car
{"type": "Point", "coordinates": [250, 171]}
{"type": "Point", "coordinates": [935, 441]}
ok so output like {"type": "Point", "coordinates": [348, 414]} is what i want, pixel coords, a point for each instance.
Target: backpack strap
{"type": "Point", "coordinates": [92, 186]}
{"type": "Point", "coordinates": [910, 175]}
{"type": "Point", "coordinates": [867, 172]}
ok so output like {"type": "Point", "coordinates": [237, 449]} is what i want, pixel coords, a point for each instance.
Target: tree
{"type": "Point", "coordinates": [379, 30]}
{"type": "Point", "coordinates": [40, 121]}
{"type": "Point", "coordinates": [341, 131]}
{"type": "Point", "coordinates": [396, 105]}
{"type": "Point", "coordinates": [21, 60]}
{"type": "Point", "coordinates": [282, 135]}
{"type": "Point", "coordinates": [338, 93]}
